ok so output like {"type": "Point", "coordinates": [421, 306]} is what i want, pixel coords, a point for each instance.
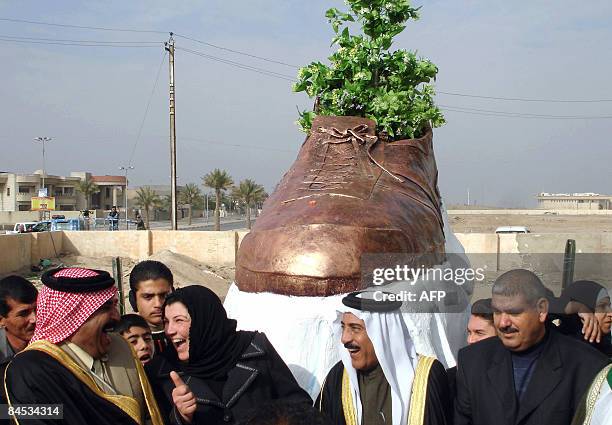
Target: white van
{"type": "Point", "coordinates": [24, 227]}
{"type": "Point", "coordinates": [511, 229]}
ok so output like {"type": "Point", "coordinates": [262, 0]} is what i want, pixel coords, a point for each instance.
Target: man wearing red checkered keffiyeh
{"type": "Point", "coordinates": [75, 360]}
{"type": "Point", "coordinates": [60, 314]}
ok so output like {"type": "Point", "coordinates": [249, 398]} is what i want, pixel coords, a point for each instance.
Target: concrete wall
{"type": "Point", "coordinates": [214, 248]}
{"type": "Point", "coordinates": [46, 245]}
{"type": "Point", "coordinates": [534, 243]}
{"type": "Point", "coordinates": [24, 250]}
{"type": "Point", "coordinates": [219, 248]}
{"type": "Point", "coordinates": [16, 252]}
{"type": "Point", "coordinates": [104, 243]}
{"type": "Point", "coordinates": [502, 211]}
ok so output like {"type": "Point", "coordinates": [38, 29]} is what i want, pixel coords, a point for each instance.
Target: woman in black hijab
{"type": "Point", "coordinates": [212, 373]}
{"type": "Point", "coordinates": [587, 296]}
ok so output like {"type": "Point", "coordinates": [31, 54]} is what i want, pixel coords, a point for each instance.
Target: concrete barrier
{"type": "Point", "coordinates": [124, 243]}
{"type": "Point", "coordinates": [214, 248]}
{"type": "Point", "coordinates": [510, 211]}
{"type": "Point", "coordinates": [46, 245]}
{"type": "Point", "coordinates": [16, 252]}
{"type": "Point", "coordinates": [534, 243]}
{"type": "Point", "coordinates": [220, 248]}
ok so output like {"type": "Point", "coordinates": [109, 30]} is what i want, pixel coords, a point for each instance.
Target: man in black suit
{"type": "Point", "coordinates": [531, 374]}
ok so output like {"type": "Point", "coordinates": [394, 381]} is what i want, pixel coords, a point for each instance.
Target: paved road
{"type": "Point", "coordinates": [224, 226]}
{"type": "Point", "coordinates": [201, 224]}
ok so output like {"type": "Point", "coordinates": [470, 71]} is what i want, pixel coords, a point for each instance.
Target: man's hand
{"type": "Point", "coordinates": [183, 398]}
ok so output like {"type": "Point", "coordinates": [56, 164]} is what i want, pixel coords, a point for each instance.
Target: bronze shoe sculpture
{"type": "Point", "coordinates": [348, 193]}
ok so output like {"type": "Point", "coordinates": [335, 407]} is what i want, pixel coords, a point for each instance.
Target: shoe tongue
{"type": "Point", "coordinates": [340, 163]}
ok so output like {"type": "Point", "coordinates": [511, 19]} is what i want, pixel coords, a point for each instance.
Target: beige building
{"type": "Point", "coordinates": [574, 201]}
{"type": "Point", "coordinates": [112, 192]}
{"type": "Point", "coordinates": [17, 190]}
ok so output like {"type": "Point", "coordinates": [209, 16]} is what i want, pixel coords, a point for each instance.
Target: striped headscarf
{"type": "Point", "coordinates": [67, 299]}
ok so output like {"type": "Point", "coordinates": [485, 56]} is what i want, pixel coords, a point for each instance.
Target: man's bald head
{"type": "Point", "coordinates": [520, 282]}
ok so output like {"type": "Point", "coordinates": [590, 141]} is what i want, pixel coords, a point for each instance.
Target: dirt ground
{"type": "Point", "coordinates": [186, 271]}
{"type": "Point", "coordinates": [484, 223]}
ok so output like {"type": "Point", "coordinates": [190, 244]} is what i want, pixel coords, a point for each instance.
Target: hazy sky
{"type": "Point", "coordinates": [92, 100]}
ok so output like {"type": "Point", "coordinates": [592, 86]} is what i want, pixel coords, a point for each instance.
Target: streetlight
{"type": "Point", "coordinates": [43, 140]}
{"type": "Point", "coordinates": [126, 169]}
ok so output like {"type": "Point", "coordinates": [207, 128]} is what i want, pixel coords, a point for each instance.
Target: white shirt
{"type": "Point", "coordinates": [96, 368]}
{"type": "Point", "coordinates": [602, 412]}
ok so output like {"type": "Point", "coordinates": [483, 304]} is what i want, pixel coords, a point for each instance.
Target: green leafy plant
{"type": "Point", "coordinates": [366, 79]}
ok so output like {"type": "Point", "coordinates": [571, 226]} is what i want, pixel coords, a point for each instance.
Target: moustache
{"type": "Point", "coordinates": [508, 330]}
{"type": "Point", "coordinates": [350, 346]}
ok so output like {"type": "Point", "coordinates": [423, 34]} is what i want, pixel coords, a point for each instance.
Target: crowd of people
{"type": "Point", "coordinates": [530, 358]}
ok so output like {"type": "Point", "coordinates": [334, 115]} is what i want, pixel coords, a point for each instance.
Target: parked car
{"type": "Point", "coordinates": [62, 224]}
{"type": "Point", "coordinates": [24, 227]}
{"type": "Point", "coordinates": [511, 229]}
{"type": "Point", "coordinates": [42, 226]}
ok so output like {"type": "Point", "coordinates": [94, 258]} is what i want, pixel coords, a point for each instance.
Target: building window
{"type": "Point", "coordinates": [67, 207]}
{"type": "Point", "coordinates": [108, 192]}
{"type": "Point", "coordinates": [24, 207]}
{"type": "Point", "coordinates": [8, 191]}
{"type": "Point", "coordinates": [57, 191]}
{"type": "Point", "coordinates": [24, 189]}
{"type": "Point", "coordinates": [69, 191]}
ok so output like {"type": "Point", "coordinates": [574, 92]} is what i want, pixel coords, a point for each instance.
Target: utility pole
{"type": "Point", "coordinates": [43, 140]}
{"type": "Point", "coordinates": [173, 218]}
{"type": "Point", "coordinates": [126, 169]}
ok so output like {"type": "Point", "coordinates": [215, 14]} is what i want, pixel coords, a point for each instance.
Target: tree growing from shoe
{"type": "Point", "coordinates": [367, 79]}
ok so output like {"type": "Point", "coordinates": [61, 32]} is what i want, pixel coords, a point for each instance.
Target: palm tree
{"type": "Point", "coordinates": [219, 180]}
{"type": "Point", "coordinates": [87, 188]}
{"type": "Point", "coordinates": [249, 193]}
{"type": "Point", "coordinates": [189, 196]}
{"type": "Point", "coordinates": [164, 204]}
{"type": "Point", "coordinates": [147, 198]}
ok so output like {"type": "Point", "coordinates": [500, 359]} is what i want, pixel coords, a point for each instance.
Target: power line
{"type": "Point", "coordinates": [79, 41]}
{"type": "Point", "coordinates": [487, 112]}
{"type": "Point", "coordinates": [239, 65]}
{"type": "Point", "coordinates": [524, 99]}
{"type": "Point", "coordinates": [57, 43]}
{"type": "Point", "coordinates": [144, 118]}
{"type": "Point", "coordinates": [23, 21]}
{"type": "Point", "coordinates": [238, 51]}
{"type": "Point", "coordinates": [263, 71]}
